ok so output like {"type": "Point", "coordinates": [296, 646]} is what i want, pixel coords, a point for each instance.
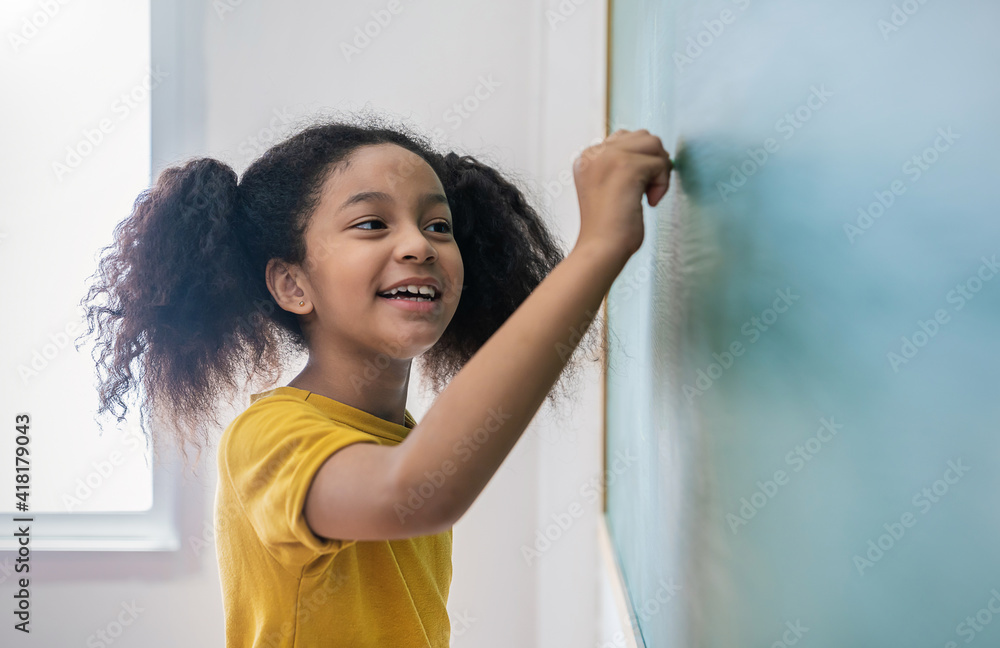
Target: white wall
{"type": "Point", "coordinates": [570, 454]}
{"type": "Point", "coordinates": [236, 71]}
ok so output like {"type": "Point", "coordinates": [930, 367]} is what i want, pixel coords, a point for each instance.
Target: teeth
{"type": "Point", "coordinates": [417, 290]}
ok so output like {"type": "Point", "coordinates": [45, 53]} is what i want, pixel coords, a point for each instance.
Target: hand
{"type": "Point", "coordinates": [611, 178]}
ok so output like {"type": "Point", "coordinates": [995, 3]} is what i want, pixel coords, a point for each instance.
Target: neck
{"type": "Point", "coordinates": [360, 384]}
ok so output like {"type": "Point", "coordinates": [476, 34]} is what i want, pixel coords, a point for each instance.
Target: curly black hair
{"type": "Point", "coordinates": [180, 309]}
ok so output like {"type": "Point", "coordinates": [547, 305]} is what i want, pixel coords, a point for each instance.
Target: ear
{"type": "Point", "coordinates": [287, 285]}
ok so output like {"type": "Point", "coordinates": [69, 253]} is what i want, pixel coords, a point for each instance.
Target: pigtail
{"type": "Point", "coordinates": [179, 306]}
{"type": "Point", "coordinates": [173, 305]}
{"type": "Point", "coordinates": [509, 250]}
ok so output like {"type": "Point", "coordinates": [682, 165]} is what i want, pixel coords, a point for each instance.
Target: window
{"type": "Point", "coordinates": [77, 129]}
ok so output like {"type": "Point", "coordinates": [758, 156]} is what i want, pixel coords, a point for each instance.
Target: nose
{"type": "Point", "coordinates": [414, 245]}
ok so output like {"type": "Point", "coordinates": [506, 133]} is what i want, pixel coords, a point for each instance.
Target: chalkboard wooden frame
{"type": "Point", "coordinates": [613, 574]}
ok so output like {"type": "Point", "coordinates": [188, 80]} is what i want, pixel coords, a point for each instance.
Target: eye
{"type": "Point", "coordinates": [446, 224]}
{"type": "Point", "coordinates": [367, 222]}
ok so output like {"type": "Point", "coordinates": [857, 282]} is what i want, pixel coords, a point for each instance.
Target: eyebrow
{"type": "Point", "coordinates": [427, 200]}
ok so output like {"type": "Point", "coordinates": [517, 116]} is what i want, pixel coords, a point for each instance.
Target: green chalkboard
{"type": "Point", "coordinates": [802, 437]}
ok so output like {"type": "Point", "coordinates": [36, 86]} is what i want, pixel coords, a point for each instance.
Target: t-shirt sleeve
{"type": "Point", "coordinates": [272, 457]}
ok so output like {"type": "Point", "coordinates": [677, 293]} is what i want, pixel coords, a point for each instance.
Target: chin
{"type": "Point", "coordinates": [411, 348]}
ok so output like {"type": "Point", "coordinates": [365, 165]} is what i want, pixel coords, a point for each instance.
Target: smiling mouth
{"type": "Point", "coordinates": [409, 296]}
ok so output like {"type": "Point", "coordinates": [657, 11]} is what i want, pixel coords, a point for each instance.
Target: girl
{"type": "Point", "coordinates": [362, 246]}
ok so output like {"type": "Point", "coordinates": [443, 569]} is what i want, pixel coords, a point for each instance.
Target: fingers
{"type": "Point", "coordinates": [644, 150]}
{"type": "Point", "coordinates": [639, 141]}
{"type": "Point", "coordinates": [657, 189]}
{"type": "Point", "coordinates": [657, 170]}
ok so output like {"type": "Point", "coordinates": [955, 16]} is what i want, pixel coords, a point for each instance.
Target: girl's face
{"type": "Point", "coordinates": [382, 219]}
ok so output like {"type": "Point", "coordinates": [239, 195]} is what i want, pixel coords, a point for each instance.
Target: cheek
{"type": "Point", "coordinates": [341, 294]}
{"type": "Point", "coordinates": [459, 278]}
{"type": "Point", "coordinates": [458, 266]}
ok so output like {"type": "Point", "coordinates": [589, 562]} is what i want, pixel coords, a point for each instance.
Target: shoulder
{"type": "Point", "coordinates": [271, 407]}
{"type": "Point", "coordinates": [274, 420]}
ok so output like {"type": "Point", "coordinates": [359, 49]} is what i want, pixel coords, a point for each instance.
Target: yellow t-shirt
{"type": "Point", "coordinates": [282, 585]}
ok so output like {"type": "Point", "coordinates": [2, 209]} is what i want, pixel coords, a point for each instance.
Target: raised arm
{"type": "Point", "coordinates": [502, 386]}
{"type": "Point", "coordinates": [425, 484]}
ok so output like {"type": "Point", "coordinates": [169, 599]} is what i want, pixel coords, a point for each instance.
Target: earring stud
{"type": "Point", "coordinates": [302, 303]}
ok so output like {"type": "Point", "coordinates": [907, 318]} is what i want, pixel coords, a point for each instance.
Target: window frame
{"type": "Point", "coordinates": [176, 127]}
